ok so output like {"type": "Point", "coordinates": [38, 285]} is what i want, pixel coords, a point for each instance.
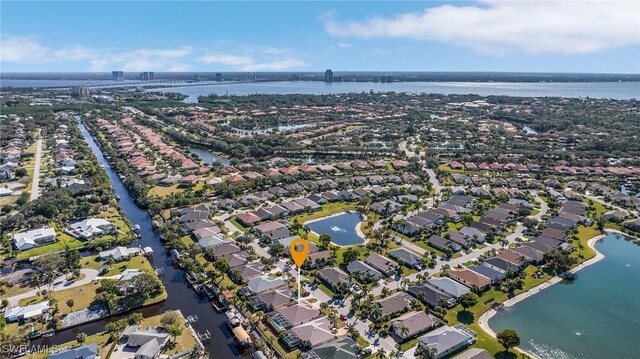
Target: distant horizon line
{"type": "Point", "coordinates": [334, 71]}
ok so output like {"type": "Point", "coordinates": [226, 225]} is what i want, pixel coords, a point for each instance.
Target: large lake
{"type": "Point", "coordinates": [341, 228]}
{"type": "Point", "coordinates": [597, 316]}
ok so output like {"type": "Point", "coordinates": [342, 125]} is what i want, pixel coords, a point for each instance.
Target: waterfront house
{"type": "Point", "coordinates": [90, 228]}
{"type": "Point", "coordinates": [82, 352]}
{"type": "Point", "coordinates": [299, 314]}
{"type": "Point", "coordinates": [148, 343]}
{"type": "Point", "coordinates": [530, 254]}
{"type": "Point", "coordinates": [119, 253]}
{"type": "Point", "coordinates": [19, 313]}
{"type": "Point", "coordinates": [474, 353]}
{"type": "Point", "coordinates": [264, 283]}
{"type": "Point", "coordinates": [444, 341]}
{"type": "Point", "coordinates": [343, 348]}
{"type": "Point", "coordinates": [276, 299]}
{"type": "Point", "coordinates": [315, 332]}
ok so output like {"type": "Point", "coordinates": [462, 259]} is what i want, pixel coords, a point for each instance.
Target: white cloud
{"type": "Point", "coordinates": [494, 26]}
{"type": "Point", "coordinates": [249, 63]}
{"type": "Point", "coordinates": [344, 45]}
{"type": "Point", "coordinates": [28, 50]}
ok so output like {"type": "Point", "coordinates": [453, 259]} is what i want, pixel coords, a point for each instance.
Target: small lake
{"type": "Point", "coordinates": [207, 156]}
{"type": "Point", "coordinates": [341, 228]}
{"type": "Point", "coordinates": [596, 316]}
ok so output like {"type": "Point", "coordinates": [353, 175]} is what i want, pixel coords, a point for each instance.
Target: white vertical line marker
{"type": "Point", "coordinates": [298, 285]}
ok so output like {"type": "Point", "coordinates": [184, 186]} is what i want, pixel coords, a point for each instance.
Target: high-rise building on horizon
{"type": "Point", "coordinates": [219, 77]}
{"type": "Point", "coordinates": [328, 76]}
{"type": "Point", "coordinates": [117, 75]}
{"type": "Point", "coordinates": [80, 91]}
{"type": "Point", "coordinates": [147, 76]}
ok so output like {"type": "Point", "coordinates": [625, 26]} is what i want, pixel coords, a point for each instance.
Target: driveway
{"type": "Point", "coordinates": [61, 283]}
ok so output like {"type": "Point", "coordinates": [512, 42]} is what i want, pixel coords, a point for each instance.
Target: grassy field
{"type": "Point", "coordinates": [138, 262]}
{"type": "Point", "coordinates": [63, 240]}
{"type": "Point", "coordinates": [327, 210]}
{"type": "Point", "coordinates": [163, 191]}
{"type": "Point", "coordinates": [83, 296]}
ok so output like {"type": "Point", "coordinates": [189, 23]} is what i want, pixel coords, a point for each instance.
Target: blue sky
{"type": "Point", "coordinates": [485, 35]}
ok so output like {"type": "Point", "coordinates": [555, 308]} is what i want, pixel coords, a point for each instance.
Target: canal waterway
{"type": "Point", "coordinates": [180, 297]}
{"type": "Point", "coordinates": [593, 317]}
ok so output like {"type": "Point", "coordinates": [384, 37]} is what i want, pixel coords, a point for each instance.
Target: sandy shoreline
{"type": "Point", "coordinates": [483, 321]}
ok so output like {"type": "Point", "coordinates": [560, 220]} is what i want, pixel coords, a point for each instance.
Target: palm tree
{"type": "Point", "coordinates": [404, 283]}
{"type": "Point", "coordinates": [404, 331]}
{"type": "Point", "coordinates": [381, 354]}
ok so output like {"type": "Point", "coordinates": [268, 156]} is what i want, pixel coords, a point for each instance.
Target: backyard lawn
{"type": "Point", "coordinates": [327, 210]}
{"type": "Point", "coordinates": [63, 240]}
{"type": "Point", "coordinates": [82, 296]}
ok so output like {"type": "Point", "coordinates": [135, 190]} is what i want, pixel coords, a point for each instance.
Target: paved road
{"type": "Point", "coordinates": [605, 203]}
{"type": "Point", "coordinates": [35, 186]}
{"type": "Point", "coordinates": [61, 283]}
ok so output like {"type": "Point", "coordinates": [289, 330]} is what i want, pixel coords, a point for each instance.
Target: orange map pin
{"type": "Point", "coordinates": [299, 256]}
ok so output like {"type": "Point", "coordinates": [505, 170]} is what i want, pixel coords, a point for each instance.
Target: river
{"type": "Point", "coordinates": [614, 90]}
{"type": "Point", "coordinates": [221, 345]}
{"type": "Point", "coordinates": [596, 316]}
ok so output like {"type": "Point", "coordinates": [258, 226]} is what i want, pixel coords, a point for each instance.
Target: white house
{"type": "Point", "coordinates": [34, 238]}
{"type": "Point", "coordinates": [21, 313]}
{"type": "Point", "coordinates": [91, 227]}
{"type": "Point", "coordinates": [119, 253]}
{"type": "Point", "coordinates": [444, 341]}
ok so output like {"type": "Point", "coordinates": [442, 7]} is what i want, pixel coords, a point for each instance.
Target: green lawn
{"type": "Point", "coordinates": [325, 289]}
{"type": "Point", "coordinates": [237, 224]}
{"type": "Point", "coordinates": [137, 262]}
{"type": "Point", "coordinates": [163, 191]}
{"type": "Point", "coordinates": [63, 240]}
{"type": "Point", "coordinates": [327, 210]}
{"type": "Point", "coordinates": [83, 296]}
